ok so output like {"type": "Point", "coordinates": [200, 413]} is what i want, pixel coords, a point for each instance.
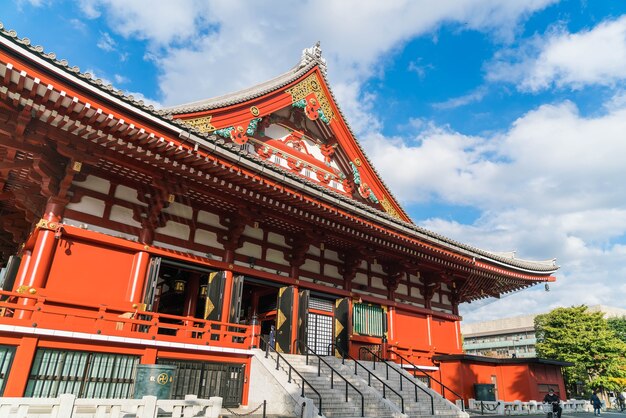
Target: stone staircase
{"type": "Point", "coordinates": [334, 399]}
{"type": "Point", "coordinates": [417, 403]}
{"type": "Point", "coordinates": [334, 403]}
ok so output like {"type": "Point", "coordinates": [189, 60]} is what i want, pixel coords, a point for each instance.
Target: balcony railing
{"type": "Point", "coordinates": [33, 311]}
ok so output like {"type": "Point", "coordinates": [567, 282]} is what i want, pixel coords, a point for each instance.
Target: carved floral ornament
{"type": "Point", "coordinates": [308, 95]}
{"type": "Point", "coordinates": [202, 124]}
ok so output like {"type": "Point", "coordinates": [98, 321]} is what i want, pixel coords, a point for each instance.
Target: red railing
{"type": "Point", "coordinates": [34, 311]}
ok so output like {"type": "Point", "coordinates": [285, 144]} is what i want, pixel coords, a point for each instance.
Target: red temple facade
{"type": "Point", "coordinates": [130, 235]}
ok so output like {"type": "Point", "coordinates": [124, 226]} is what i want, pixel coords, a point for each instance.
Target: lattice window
{"type": "Point", "coordinates": [321, 304]}
{"type": "Point", "coordinates": [6, 357]}
{"type": "Point", "coordinates": [206, 379]}
{"type": "Point", "coordinates": [320, 333]}
{"type": "Point", "coordinates": [84, 374]}
{"type": "Point", "coordinates": [368, 319]}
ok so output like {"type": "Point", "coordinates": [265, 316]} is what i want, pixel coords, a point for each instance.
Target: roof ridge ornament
{"type": "Point", "coordinates": [313, 54]}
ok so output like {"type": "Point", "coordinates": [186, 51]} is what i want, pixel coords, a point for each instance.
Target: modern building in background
{"type": "Point", "coordinates": [512, 337]}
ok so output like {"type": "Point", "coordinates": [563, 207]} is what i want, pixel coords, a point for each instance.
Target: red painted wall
{"type": "Point", "coordinates": [411, 330]}
{"type": "Point", "coordinates": [444, 336]}
{"type": "Point", "coordinates": [85, 272]}
{"type": "Point", "coordinates": [514, 381]}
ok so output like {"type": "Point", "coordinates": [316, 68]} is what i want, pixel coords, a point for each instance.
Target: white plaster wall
{"type": "Point", "coordinates": [377, 283]}
{"type": "Point", "coordinates": [250, 250]}
{"type": "Point", "coordinates": [377, 268]}
{"type": "Point", "coordinates": [126, 193]}
{"type": "Point", "coordinates": [251, 232]}
{"type": "Point", "coordinates": [445, 300]}
{"type": "Point", "coordinates": [332, 271]}
{"type": "Point", "coordinates": [208, 218]}
{"type": "Point", "coordinates": [97, 184]}
{"type": "Point", "coordinates": [314, 251]}
{"type": "Point", "coordinates": [402, 290]}
{"type": "Point", "coordinates": [311, 265]}
{"type": "Point", "coordinates": [175, 229]}
{"type": "Point", "coordinates": [360, 278]}
{"type": "Point", "coordinates": [415, 292]}
{"type": "Point", "coordinates": [123, 215]}
{"type": "Point", "coordinates": [89, 205]}
{"type": "Point", "coordinates": [276, 257]}
{"type": "Point", "coordinates": [273, 238]}
{"type": "Point", "coordinates": [331, 255]}
{"type": "Point", "coordinates": [180, 210]}
{"type": "Point", "coordinates": [205, 237]}
{"type": "Point", "coordinates": [414, 279]}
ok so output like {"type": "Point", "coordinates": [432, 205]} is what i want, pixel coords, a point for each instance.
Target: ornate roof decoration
{"type": "Point", "coordinates": [308, 90]}
{"type": "Point", "coordinates": [313, 55]}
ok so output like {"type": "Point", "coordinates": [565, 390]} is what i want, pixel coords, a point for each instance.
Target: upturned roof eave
{"type": "Point", "coordinates": [180, 130]}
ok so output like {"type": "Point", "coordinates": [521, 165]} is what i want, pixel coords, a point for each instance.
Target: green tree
{"type": "Point", "coordinates": [585, 339]}
{"type": "Point", "coordinates": [618, 325]}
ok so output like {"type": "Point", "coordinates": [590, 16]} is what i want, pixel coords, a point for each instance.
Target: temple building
{"type": "Point", "coordinates": [133, 235]}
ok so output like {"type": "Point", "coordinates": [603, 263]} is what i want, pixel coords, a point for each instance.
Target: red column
{"type": "Point", "coordinates": [246, 381]}
{"type": "Point", "coordinates": [294, 319]}
{"type": "Point", "coordinates": [391, 313]}
{"type": "Point", "coordinates": [42, 253]}
{"type": "Point", "coordinates": [191, 295]}
{"type": "Point", "coordinates": [149, 356]}
{"type": "Point", "coordinates": [228, 288]}
{"type": "Point", "coordinates": [20, 368]}
{"type": "Point", "coordinates": [137, 277]}
{"type": "Point", "coordinates": [228, 292]}
{"type": "Point", "coordinates": [21, 272]}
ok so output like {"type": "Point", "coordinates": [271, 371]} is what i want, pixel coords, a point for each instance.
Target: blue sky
{"type": "Point", "coordinates": [501, 124]}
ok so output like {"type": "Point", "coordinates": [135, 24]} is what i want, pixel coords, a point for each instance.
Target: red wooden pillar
{"type": "Point", "coordinates": [43, 251]}
{"type": "Point", "coordinates": [21, 272]}
{"type": "Point", "coordinates": [149, 356]}
{"type": "Point", "coordinates": [191, 295]}
{"type": "Point", "coordinates": [391, 334]}
{"type": "Point", "coordinates": [137, 279]}
{"type": "Point", "coordinates": [246, 381]}
{"type": "Point", "coordinates": [229, 257]}
{"type": "Point", "coordinates": [20, 368]}
{"type": "Point", "coordinates": [38, 266]}
{"type": "Point", "coordinates": [294, 320]}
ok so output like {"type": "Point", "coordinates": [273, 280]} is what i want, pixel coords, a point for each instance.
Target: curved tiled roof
{"type": "Point", "coordinates": [138, 106]}
{"type": "Point", "coordinates": [310, 58]}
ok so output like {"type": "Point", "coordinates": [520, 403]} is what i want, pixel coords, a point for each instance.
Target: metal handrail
{"type": "Point", "coordinates": [369, 374]}
{"type": "Point", "coordinates": [443, 387]}
{"type": "Point", "coordinates": [304, 381]}
{"type": "Point", "coordinates": [402, 376]}
{"type": "Point", "coordinates": [320, 360]}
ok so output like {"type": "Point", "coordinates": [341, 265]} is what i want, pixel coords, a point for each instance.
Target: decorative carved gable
{"type": "Point", "coordinates": [299, 128]}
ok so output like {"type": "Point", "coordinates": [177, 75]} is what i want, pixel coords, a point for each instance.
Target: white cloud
{"type": "Point", "coordinates": [475, 96]}
{"type": "Point", "coordinates": [595, 56]}
{"type": "Point", "coordinates": [106, 42]}
{"type": "Point", "coordinates": [419, 68]}
{"type": "Point", "coordinates": [120, 79]}
{"type": "Point", "coordinates": [222, 46]}
{"type": "Point", "coordinates": [549, 186]}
